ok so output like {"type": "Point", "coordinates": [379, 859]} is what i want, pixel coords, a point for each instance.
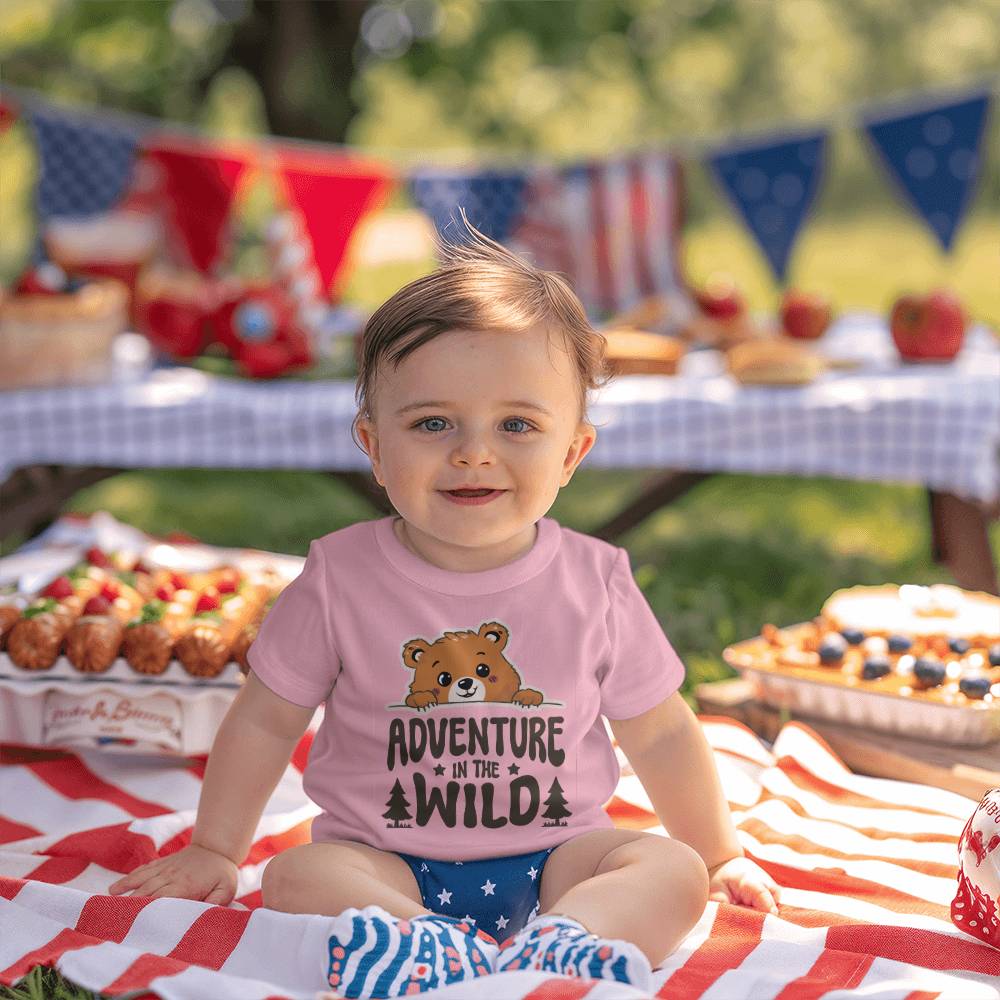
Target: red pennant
{"type": "Point", "coordinates": [333, 192]}
{"type": "Point", "coordinates": [199, 181]}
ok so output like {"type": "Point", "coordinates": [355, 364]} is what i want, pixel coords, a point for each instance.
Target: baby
{"type": "Point", "coordinates": [467, 653]}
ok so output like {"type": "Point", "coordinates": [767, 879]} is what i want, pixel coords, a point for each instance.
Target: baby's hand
{"type": "Point", "coordinates": [192, 873]}
{"type": "Point", "coordinates": [744, 883]}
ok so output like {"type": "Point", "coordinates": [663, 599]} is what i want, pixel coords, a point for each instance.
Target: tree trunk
{"type": "Point", "coordinates": [301, 53]}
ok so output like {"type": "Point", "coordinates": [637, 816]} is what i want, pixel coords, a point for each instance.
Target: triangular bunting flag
{"type": "Point", "coordinates": [333, 192]}
{"type": "Point", "coordinates": [934, 157]}
{"type": "Point", "coordinates": [492, 199]}
{"type": "Point", "coordinates": [85, 161]}
{"type": "Point", "coordinates": [773, 186]}
{"type": "Point", "coordinates": [199, 180]}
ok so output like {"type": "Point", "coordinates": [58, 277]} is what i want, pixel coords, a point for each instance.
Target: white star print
{"type": "Point", "coordinates": [423, 866]}
{"type": "Point", "coordinates": [444, 896]}
{"type": "Point", "coordinates": [533, 872]}
{"type": "Point", "coordinates": [502, 922]}
{"type": "Point", "coordinates": [488, 887]}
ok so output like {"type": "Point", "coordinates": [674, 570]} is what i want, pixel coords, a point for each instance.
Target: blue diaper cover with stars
{"type": "Point", "coordinates": [500, 894]}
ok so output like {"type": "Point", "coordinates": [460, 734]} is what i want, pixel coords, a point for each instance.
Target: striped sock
{"type": "Point", "coordinates": [561, 945]}
{"type": "Point", "coordinates": [374, 954]}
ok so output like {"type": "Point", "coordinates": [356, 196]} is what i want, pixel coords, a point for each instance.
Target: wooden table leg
{"type": "Point", "coordinates": [32, 496]}
{"type": "Point", "coordinates": [662, 489]}
{"type": "Point", "coordinates": [960, 540]}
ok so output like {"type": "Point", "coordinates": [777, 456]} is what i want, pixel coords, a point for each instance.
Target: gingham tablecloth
{"type": "Point", "coordinates": [936, 425]}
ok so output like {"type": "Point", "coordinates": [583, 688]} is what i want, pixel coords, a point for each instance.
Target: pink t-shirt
{"type": "Point", "coordinates": [463, 710]}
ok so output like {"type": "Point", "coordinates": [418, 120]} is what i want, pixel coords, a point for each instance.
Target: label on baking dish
{"type": "Point", "coordinates": [108, 715]}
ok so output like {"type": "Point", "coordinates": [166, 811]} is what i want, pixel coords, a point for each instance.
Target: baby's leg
{"type": "Point", "coordinates": [330, 877]}
{"type": "Point", "coordinates": [624, 884]}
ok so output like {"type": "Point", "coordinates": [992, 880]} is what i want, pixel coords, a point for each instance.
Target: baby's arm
{"type": "Point", "coordinates": [674, 762]}
{"type": "Point", "coordinates": [249, 755]}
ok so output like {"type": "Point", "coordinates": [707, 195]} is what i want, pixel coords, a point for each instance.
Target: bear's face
{"type": "Point", "coordinates": [463, 666]}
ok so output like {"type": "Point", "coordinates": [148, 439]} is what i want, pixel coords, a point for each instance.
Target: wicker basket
{"type": "Point", "coordinates": [48, 340]}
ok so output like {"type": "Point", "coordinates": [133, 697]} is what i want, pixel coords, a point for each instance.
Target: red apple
{"type": "Point", "coordinates": [929, 328]}
{"type": "Point", "coordinates": [720, 298]}
{"type": "Point", "coordinates": [805, 315]}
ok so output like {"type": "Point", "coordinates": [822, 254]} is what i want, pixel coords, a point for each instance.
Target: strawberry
{"type": "Point", "coordinates": [178, 581]}
{"type": "Point", "coordinates": [208, 602]}
{"type": "Point", "coordinates": [165, 593]}
{"type": "Point", "coordinates": [97, 558]}
{"type": "Point", "coordinates": [111, 590]}
{"type": "Point", "coordinates": [97, 606]}
{"type": "Point", "coordinates": [228, 583]}
{"type": "Point", "coordinates": [60, 587]}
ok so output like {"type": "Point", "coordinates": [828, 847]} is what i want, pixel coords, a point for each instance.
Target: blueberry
{"type": "Point", "coordinates": [875, 667]}
{"type": "Point", "coordinates": [899, 643]}
{"type": "Point", "coordinates": [854, 636]}
{"type": "Point", "coordinates": [831, 649]}
{"type": "Point", "coordinates": [976, 686]}
{"type": "Point", "coordinates": [959, 646]}
{"type": "Point", "coordinates": [995, 655]}
{"type": "Point", "coordinates": [929, 673]}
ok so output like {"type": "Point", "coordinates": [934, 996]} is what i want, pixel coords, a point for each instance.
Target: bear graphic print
{"type": "Point", "coordinates": [452, 674]}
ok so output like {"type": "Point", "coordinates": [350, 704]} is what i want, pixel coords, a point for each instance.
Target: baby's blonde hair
{"type": "Point", "coordinates": [480, 285]}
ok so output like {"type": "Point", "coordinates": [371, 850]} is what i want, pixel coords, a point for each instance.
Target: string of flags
{"type": "Point", "coordinates": [611, 224]}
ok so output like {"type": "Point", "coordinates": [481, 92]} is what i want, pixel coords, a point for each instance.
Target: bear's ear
{"type": "Point", "coordinates": [495, 633]}
{"type": "Point", "coordinates": [413, 650]}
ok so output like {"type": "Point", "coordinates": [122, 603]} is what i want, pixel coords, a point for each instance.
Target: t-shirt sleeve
{"type": "Point", "coordinates": [643, 667]}
{"type": "Point", "coordinates": [294, 653]}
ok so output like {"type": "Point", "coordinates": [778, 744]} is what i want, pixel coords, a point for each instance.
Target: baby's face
{"type": "Point", "coordinates": [475, 409]}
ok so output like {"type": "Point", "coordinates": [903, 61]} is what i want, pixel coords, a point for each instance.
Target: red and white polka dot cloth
{"type": "Point", "coordinates": [976, 906]}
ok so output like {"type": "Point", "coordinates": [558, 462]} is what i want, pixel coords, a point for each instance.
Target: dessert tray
{"type": "Point", "coordinates": [923, 662]}
{"type": "Point", "coordinates": [142, 645]}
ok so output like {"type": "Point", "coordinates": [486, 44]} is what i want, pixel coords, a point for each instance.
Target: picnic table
{"type": "Point", "coordinates": [874, 420]}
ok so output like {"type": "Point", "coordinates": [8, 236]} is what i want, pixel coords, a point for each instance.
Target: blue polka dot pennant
{"type": "Point", "coordinates": [493, 200]}
{"type": "Point", "coordinates": [934, 155]}
{"type": "Point", "coordinates": [773, 186]}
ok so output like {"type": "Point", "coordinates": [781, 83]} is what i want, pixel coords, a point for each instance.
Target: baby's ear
{"type": "Point", "coordinates": [412, 651]}
{"type": "Point", "coordinates": [496, 633]}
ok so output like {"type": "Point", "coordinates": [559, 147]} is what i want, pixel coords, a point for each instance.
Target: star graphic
{"type": "Point", "coordinates": [488, 887]}
{"type": "Point", "coordinates": [439, 770]}
{"type": "Point", "coordinates": [444, 896]}
{"type": "Point", "coordinates": [513, 769]}
{"type": "Point", "coordinates": [502, 922]}
{"type": "Point", "coordinates": [423, 866]}
{"type": "Point", "coordinates": [533, 872]}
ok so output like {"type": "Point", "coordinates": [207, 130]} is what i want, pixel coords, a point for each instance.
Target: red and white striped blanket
{"type": "Point", "coordinates": [867, 866]}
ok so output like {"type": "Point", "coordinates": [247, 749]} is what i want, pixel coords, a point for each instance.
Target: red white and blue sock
{"type": "Point", "coordinates": [564, 946]}
{"type": "Point", "coordinates": [371, 953]}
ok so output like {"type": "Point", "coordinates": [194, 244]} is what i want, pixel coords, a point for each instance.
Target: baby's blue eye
{"type": "Point", "coordinates": [428, 420]}
{"type": "Point", "coordinates": [518, 420]}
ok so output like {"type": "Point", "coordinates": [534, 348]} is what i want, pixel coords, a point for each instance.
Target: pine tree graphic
{"type": "Point", "coordinates": [556, 805]}
{"type": "Point", "coordinates": [399, 808]}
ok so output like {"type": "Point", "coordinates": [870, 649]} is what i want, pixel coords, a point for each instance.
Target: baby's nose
{"type": "Point", "coordinates": [465, 683]}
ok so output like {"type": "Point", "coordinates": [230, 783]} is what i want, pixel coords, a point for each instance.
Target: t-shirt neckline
{"type": "Point", "coordinates": [488, 581]}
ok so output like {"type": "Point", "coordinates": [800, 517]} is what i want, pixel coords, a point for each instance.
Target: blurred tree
{"type": "Point", "coordinates": [301, 53]}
